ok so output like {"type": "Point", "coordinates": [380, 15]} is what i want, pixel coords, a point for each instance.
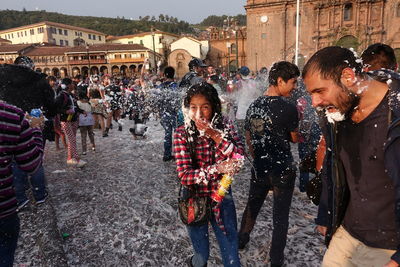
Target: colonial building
{"type": "Point", "coordinates": [183, 50]}
{"type": "Point", "coordinates": [53, 33]}
{"type": "Point", "coordinates": [116, 59]}
{"type": "Point", "coordinates": [227, 48]}
{"type": "Point", "coordinates": [158, 40]}
{"type": "Point", "coordinates": [4, 41]}
{"type": "Point", "coordinates": [271, 27]}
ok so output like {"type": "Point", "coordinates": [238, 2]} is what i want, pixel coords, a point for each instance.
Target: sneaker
{"type": "Point", "coordinates": [72, 162]}
{"type": "Point", "coordinates": [105, 135]}
{"type": "Point", "coordinates": [81, 163]}
{"type": "Point", "coordinates": [244, 238]}
{"type": "Point", "coordinates": [77, 163]}
{"type": "Point", "coordinates": [120, 128]}
{"type": "Point", "coordinates": [84, 153]}
{"type": "Point", "coordinates": [93, 148]}
{"type": "Point", "coordinates": [41, 201]}
{"type": "Point", "coordinates": [22, 205]}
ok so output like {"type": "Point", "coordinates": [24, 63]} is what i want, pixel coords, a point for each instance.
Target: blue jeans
{"type": "Point", "coordinates": [228, 244]}
{"type": "Point", "coordinates": [37, 180]}
{"type": "Point", "coordinates": [9, 231]}
{"type": "Point", "coordinates": [168, 122]}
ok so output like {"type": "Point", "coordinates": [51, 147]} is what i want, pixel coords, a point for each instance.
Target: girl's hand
{"type": "Point", "coordinates": [202, 124]}
{"type": "Point", "coordinates": [229, 166]}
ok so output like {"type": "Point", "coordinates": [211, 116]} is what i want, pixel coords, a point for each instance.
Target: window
{"type": "Point", "coordinates": [76, 58]}
{"type": "Point", "coordinates": [62, 42]}
{"type": "Point", "coordinates": [117, 56]}
{"type": "Point", "coordinates": [65, 32]}
{"type": "Point", "coordinates": [53, 30]}
{"type": "Point", "coordinates": [141, 42]}
{"type": "Point", "coordinates": [263, 36]}
{"type": "Point", "coordinates": [60, 31]}
{"type": "Point", "coordinates": [348, 12]}
{"type": "Point", "coordinates": [142, 55]}
{"type": "Point", "coordinates": [128, 56]}
{"type": "Point", "coordinates": [160, 40]}
{"type": "Point", "coordinates": [398, 10]}
{"type": "Point", "coordinates": [12, 35]}
{"type": "Point", "coordinates": [40, 30]}
{"type": "Point", "coordinates": [32, 31]}
{"type": "Point", "coordinates": [66, 43]}
{"type": "Point", "coordinates": [99, 38]}
{"type": "Point", "coordinates": [90, 36]}
{"type": "Point", "coordinates": [102, 57]}
{"type": "Point", "coordinates": [233, 48]}
{"type": "Point", "coordinates": [76, 33]}
{"type": "Point", "coordinates": [130, 42]}
{"type": "Point", "coordinates": [18, 34]}
{"type": "Point", "coordinates": [26, 33]}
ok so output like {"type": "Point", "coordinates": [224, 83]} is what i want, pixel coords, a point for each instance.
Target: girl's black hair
{"type": "Point", "coordinates": [94, 94]}
{"type": "Point", "coordinates": [209, 92]}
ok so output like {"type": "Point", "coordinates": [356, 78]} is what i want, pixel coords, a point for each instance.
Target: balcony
{"type": "Point", "coordinates": [86, 62]}
{"type": "Point", "coordinates": [125, 60]}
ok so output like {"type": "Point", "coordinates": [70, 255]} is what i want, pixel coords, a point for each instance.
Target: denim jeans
{"type": "Point", "coordinates": [304, 176]}
{"type": "Point", "coordinates": [9, 231]}
{"type": "Point", "coordinates": [37, 180]}
{"type": "Point", "coordinates": [168, 122]}
{"type": "Point", "coordinates": [259, 187]}
{"type": "Point", "coordinates": [228, 244]}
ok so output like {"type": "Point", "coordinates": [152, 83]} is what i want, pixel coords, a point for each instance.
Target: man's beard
{"type": "Point", "coordinates": [347, 102]}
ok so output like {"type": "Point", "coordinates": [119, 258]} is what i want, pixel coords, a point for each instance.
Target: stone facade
{"type": "Point", "coordinates": [271, 27]}
{"type": "Point", "coordinates": [224, 44]}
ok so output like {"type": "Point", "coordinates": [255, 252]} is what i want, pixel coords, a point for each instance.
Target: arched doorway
{"type": "Point", "coordinates": [115, 70]}
{"type": "Point", "coordinates": [75, 71]}
{"type": "Point", "coordinates": [47, 71]}
{"type": "Point", "coordinates": [140, 67]}
{"type": "Point", "coordinates": [103, 70]}
{"type": "Point", "coordinates": [94, 70]}
{"type": "Point", "coordinates": [63, 72]}
{"type": "Point", "coordinates": [123, 70]}
{"type": "Point", "coordinates": [232, 66]}
{"type": "Point", "coordinates": [132, 69]}
{"type": "Point", "coordinates": [348, 41]}
{"type": "Point", "coordinates": [85, 71]}
{"type": "Point", "coordinates": [55, 72]}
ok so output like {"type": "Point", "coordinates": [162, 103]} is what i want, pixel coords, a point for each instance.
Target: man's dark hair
{"type": "Point", "coordinates": [51, 78]}
{"type": "Point", "coordinates": [331, 61]}
{"type": "Point", "coordinates": [78, 77]}
{"type": "Point", "coordinates": [169, 72]}
{"type": "Point", "coordinates": [284, 70]}
{"type": "Point", "coordinates": [379, 56]}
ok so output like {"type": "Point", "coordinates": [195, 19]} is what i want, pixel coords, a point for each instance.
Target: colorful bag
{"type": "Point", "coordinates": [86, 120]}
{"type": "Point", "coordinates": [194, 211]}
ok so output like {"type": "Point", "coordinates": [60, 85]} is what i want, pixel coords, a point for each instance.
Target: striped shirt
{"type": "Point", "coordinates": [205, 177]}
{"type": "Point", "coordinates": [19, 142]}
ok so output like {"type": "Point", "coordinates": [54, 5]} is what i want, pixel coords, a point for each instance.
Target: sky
{"type": "Point", "coordinates": [192, 11]}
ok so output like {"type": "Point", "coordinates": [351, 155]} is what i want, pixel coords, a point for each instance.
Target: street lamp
{"type": "Point", "coordinates": [154, 49]}
{"type": "Point", "coordinates": [237, 46]}
{"type": "Point", "coordinates": [87, 53]}
{"type": "Point", "coordinates": [228, 46]}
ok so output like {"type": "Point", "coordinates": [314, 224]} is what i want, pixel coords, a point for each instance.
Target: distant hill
{"type": "Point", "coordinates": [111, 26]}
{"type": "Point", "coordinates": [218, 21]}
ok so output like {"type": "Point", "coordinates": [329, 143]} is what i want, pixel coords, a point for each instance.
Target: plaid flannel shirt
{"type": "Point", "coordinates": [205, 178]}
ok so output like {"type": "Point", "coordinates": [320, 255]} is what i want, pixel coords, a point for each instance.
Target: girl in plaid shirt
{"type": "Point", "coordinates": [213, 141]}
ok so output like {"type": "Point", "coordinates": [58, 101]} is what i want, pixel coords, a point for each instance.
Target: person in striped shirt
{"type": "Point", "coordinates": [203, 149]}
{"type": "Point", "coordinates": [20, 140]}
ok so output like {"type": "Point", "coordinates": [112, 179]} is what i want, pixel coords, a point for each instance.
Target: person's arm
{"type": "Point", "coordinates": [29, 148]}
{"type": "Point", "coordinates": [295, 136]}
{"type": "Point", "coordinates": [184, 166]}
{"type": "Point", "coordinates": [249, 144]}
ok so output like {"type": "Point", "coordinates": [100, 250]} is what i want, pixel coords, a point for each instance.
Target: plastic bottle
{"type": "Point", "coordinates": [225, 182]}
{"type": "Point", "coordinates": [35, 112]}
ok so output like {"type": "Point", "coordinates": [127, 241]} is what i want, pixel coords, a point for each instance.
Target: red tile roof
{"type": "Point", "coordinates": [109, 38]}
{"type": "Point", "coordinates": [14, 48]}
{"type": "Point", "coordinates": [108, 47]}
{"type": "Point", "coordinates": [48, 51]}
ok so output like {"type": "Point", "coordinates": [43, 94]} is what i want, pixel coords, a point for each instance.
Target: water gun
{"type": "Point", "coordinates": [225, 182]}
{"type": "Point", "coordinates": [36, 112]}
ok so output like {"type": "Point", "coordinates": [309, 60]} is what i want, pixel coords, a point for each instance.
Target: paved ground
{"type": "Point", "coordinates": [120, 210]}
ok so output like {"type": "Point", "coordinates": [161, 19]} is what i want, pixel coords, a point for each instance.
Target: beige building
{"type": "Point", "coordinates": [53, 33]}
{"type": "Point", "coordinates": [271, 27]}
{"type": "Point", "coordinates": [116, 59]}
{"type": "Point", "coordinates": [183, 50]}
{"type": "Point", "coordinates": [161, 45]}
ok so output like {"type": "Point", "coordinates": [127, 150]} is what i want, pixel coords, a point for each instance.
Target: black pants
{"type": "Point", "coordinates": [282, 187]}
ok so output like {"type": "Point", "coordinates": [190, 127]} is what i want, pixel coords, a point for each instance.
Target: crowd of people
{"type": "Point", "coordinates": [342, 110]}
